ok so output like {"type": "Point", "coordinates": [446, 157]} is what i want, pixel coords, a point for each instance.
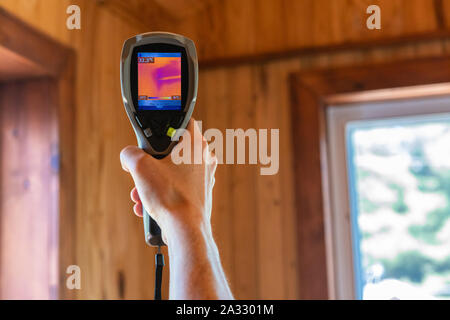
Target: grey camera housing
{"type": "Point", "coordinates": [152, 231]}
{"type": "Point", "coordinates": [125, 76]}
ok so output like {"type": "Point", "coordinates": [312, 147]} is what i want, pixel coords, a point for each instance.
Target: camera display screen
{"type": "Point", "coordinates": [159, 80]}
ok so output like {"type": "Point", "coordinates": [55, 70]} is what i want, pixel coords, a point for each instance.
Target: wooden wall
{"type": "Point", "coordinates": [110, 248]}
{"type": "Point", "coordinates": [248, 49]}
{"type": "Point", "coordinates": [264, 264]}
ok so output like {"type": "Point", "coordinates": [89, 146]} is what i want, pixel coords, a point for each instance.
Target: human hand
{"type": "Point", "coordinates": [177, 197]}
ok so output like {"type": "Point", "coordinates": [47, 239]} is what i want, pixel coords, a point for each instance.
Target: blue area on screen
{"type": "Point", "coordinates": [159, 104]}
{"type": "Point", "coordinates": [159, 54]}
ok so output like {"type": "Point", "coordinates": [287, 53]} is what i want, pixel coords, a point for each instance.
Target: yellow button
{"type": "Point", "coordinates": [171, 132]}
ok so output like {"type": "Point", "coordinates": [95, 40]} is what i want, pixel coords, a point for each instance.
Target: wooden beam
{"type": "Point", "coordinates": [393, 42]}
{"type": "Point", "coordinates": [15, 67]}
{"type": "Point", "coordinates": [66, 109]}
{"type": "Point", "coordinates": [370, 77]}
{"type": "Point", "coordinates": [307, 138]}
{"type": "Point", "coordinates": [45, 54]}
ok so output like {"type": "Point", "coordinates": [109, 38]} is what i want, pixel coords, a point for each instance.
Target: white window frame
{"type": "Point", "coordinates": [406, 102]}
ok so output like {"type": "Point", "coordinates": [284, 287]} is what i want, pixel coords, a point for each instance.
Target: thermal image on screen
{"type": "Point", "coordinates": [159, 81]}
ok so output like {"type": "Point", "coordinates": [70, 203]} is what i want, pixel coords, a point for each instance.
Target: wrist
{"type": "Point", "coordinates": [187, 226]}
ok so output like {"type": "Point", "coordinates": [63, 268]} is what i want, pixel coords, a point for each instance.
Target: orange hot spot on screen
{"type": "Point", "coordinates": [161, 79]}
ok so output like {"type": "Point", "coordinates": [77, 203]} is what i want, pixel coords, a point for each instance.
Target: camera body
{"type": "Point", "coordinates": [159, 81]}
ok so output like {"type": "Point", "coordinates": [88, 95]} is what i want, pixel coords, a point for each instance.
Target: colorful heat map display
{"type": "Point", "coordinates": [159, 81]}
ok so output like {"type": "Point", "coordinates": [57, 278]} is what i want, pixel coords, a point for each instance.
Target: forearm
{"type": "Point", "coordinates": [195, 268]}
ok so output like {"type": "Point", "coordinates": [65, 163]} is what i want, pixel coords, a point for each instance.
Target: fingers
{"type": "Point", "coordinates": [131, 157]}
{"type": "Point", "coordinates": [135, 195]}
{"type": "Point", "coordinates": [137, 208]}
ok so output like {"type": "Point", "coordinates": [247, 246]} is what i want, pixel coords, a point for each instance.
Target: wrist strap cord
{"type": "Point", "coordinates": [159, 264]}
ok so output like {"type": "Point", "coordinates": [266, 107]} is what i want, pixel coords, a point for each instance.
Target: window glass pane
{"type": "Point", "coordinates": [399, 173]}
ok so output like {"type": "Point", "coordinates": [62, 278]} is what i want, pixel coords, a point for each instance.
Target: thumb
{"type": "Point", "coordinates": [131, 157]}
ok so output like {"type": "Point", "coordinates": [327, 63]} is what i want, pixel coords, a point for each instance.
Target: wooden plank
{"type": "Point", "coordinates": [279, 103]}
{"type": "Point", "coordinates": [240, 16]}
{"type": "Point", "coordinates": [214, 101]}
{"type": "Point", "coordinates": [307, 135]}
{"type": "Point", "coordinates": [244, 199]}
{"type": "Point", "coordinates": [268, 189]}
{"type": "Point", "coordinates": [329, 81]}
{"type": "Point", "coordinates": [62, 92]}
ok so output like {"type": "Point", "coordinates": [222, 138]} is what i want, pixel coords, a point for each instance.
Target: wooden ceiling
{"type": "Point", "coordinates": [154, 13]}
{"type": "Point", "coordinates": [233, 31]}
{"type": "Point", "coordinates": [182, 8]}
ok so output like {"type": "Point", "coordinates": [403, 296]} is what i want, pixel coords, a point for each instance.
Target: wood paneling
{"type": "Point", "coordinates": [232, 29]}
{"type": "Point", "coordinates": [115, 261]}
{"type": "Point", "coordinates": [29, 191]}
{"type": "Point", "coordinates": [109, 247]}
{"type": "Point", "coordinates": [278, 259]}
{"type": "Point", "coordinates": [254, 216]}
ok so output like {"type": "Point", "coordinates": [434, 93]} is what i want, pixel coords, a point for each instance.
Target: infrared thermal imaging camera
{"type": "Point", "coordinates": [159, 75]}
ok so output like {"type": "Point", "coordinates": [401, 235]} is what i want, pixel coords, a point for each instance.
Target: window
{"type": "Point", "coordinates": [331, 108]}
{"type": "Point", "coordinates": [390, 198]}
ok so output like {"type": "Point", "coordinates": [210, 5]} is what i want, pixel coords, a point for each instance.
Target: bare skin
{"type": "Point", "coordinates": [179, 198]}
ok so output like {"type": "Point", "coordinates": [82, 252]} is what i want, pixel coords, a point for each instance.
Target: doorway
{"type": "Point", "coordinates": [37, 176]}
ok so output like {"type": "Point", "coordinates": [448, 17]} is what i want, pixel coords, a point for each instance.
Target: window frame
{"type": "Point", "coordinates": [343, 200]}
{"type": "Point", "coordinates": [312, 93]}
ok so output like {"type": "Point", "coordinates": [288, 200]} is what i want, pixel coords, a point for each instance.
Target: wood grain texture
{"type": "Point", "coordinates": [267, 86]}
{"type": "Point", "coordinates": [109, 246]}
{"type": "Point", "coordinates": [307, 128]}
{"type": "Point", "coordinates": [232, 29]}
{"type": "Point", "coordinates": [212, 112]}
